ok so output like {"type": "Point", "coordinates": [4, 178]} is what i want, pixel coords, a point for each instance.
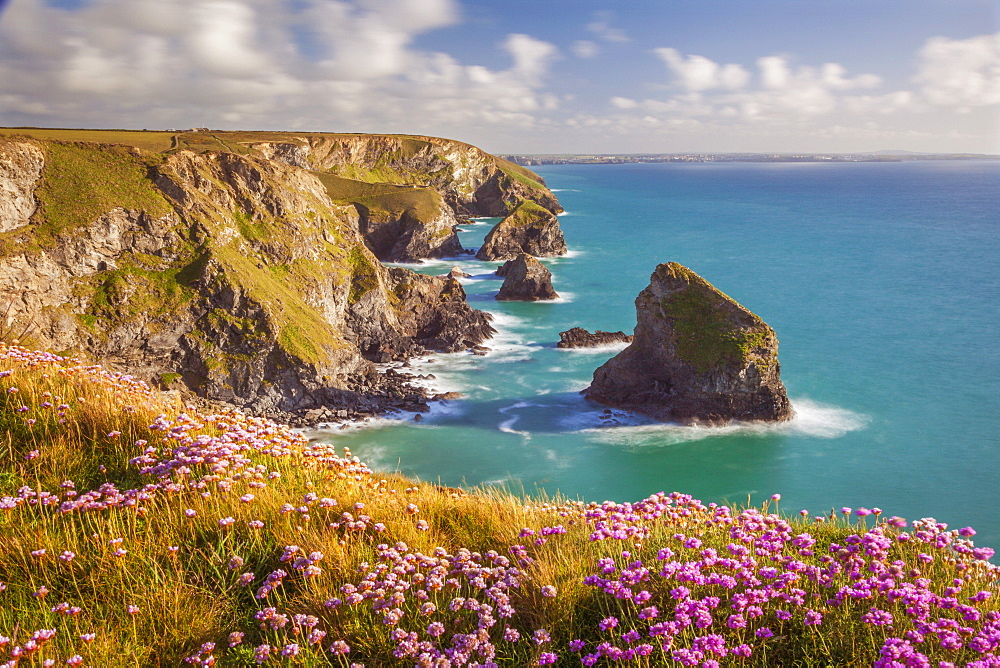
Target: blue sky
{"type": "Point", "coordinates": [520, 77]}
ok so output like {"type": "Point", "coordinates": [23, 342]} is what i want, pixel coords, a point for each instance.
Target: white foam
{"type": "Point", "coordinates": [603, 349]}
{"type": "Point", "coordinates": [507, 426]}
{"type": "Point", "coordinates": [811, 419]}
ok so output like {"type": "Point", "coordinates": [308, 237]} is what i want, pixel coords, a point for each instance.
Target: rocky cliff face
{"type": "Point", "coordinates": [232, 275]}
{"type": "Point", "coordinates": [697, 357]}
{"type": "Point", "coordinates": [20, 167]}
{"type": "Point", "coordinates": [528, 229]}
{"type": "Point", "coordinates": [399, 226]}
{"type": "Point", "coordinates": [525, 279]}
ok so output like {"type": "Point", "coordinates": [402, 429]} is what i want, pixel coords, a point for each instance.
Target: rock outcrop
{"type": "Point", "coordinates": [234, 276]}
{"type": "Point", "coordinates": [528, 229]}
{"type": "Point", "coordinates": [578, 337]}
{"type": "Point", "coordinates": [20, 167]}
{"type": "Point", "coordinates": [697, 357]}
{"type": "Point", "coordinates": [525, 279]}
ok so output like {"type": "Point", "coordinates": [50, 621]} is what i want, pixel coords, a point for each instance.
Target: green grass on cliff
{"type": "Point", "coordinates": [391, 201]}
{"type": "Point", "coordinates": [137, 532]}
{"type": "Point", "coordinates": [152, 141]}
{"type": "Point", "coordinates": [706, 335]}
{"type": "Point", "coordinates": [80, 182]}
{"type": "Point", "coordinates": [528, 213]}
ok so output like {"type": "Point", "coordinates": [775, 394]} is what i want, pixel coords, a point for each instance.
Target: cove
{"type": "Point", "coordinates": [880, 280]}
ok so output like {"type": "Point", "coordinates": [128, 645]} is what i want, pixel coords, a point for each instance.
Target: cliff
{"type": "Point", "coordinates": [697, 357]}
{"type": "Point", "coordinates": [230, 274]}
{"type": "Point", "coordinates": [435, 182]}
{"type": "Point", "coordinates": [530, 229]}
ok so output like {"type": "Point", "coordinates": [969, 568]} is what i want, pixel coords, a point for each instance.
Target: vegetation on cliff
{"type": "Point", "coordinates": [139, 532]}
{"type": "Point", "coordinates": [230, 269]}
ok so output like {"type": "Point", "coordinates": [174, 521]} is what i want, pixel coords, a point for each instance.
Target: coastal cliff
{"type": "Point", "coordinates": [230, 274]}
{"type": "Point", "coordinates": [697, 357]}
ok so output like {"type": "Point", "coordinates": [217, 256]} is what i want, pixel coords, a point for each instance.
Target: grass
{"type": "Point", "coordinates": [152, 141]}
{"type": "Point", "coordinates": [707, 336]}
{"type": "Point", "coordinates": [139, 532]}
{"type": "Point", "coordinates": [81, 182]}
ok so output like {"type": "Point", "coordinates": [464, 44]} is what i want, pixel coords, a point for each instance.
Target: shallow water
{"type": "Point", "coordinates": [881, 280]}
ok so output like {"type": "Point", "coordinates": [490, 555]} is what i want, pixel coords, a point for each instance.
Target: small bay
{"type": "Point", "coordinates": [881, 280]}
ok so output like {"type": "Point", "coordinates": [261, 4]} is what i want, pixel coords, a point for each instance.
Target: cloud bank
{"type": "Point", "coordinates": [364, 66]}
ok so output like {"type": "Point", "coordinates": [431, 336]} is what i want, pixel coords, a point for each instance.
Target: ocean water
{"type": "Point", "coordinates": [882, 281]}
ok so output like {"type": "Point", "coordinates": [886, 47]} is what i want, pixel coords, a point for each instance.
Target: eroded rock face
{"type": "Point", "coordinates": [20, 168]}
{"type": "Point", "coordinates": [408, 237]}
{"type": "Point", "coordinates": [529, 229]}
{"type": "Point", "coordinates": [525, 279]}
{"type": "Point", "coordinates": [697, 357]}
{"type": "Point", "coordinates": [578, 337]}
{"type": "Point", "coordinates": [255, 288]}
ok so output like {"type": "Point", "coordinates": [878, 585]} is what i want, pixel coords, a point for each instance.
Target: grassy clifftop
{"type": "Point", "coordinates": [137, 532]}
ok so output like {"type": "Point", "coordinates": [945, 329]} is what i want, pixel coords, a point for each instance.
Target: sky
{"type": "Point", "coordinates": [520, 76]}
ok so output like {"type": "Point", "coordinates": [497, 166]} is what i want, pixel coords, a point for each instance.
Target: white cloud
{"type": "Point", "coordinates": [961, 72]}
{"type": "Point", "coordinates": [584, 48]}
{"type": "Point", "coordinates": [333, 64]}
{"type": "Point", "coordinates": [623, 103]}
{"type": "Point", "coordinates": [601, 27]}
{"type": "Point", "coordinates": [531, 56]}
{"type": "Point", "coordinates": [700, 73]}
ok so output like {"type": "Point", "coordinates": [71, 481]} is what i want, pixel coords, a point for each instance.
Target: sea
{"type": "Point", "coordinates": [881, 279]}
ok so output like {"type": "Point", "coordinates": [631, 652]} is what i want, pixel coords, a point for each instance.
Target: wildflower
{"type": "Point", "coordinates": [608, 623]}
{"type": "Point", "coordinates": [226, 521]}
{"type": "Point", "coordinates": [339, 647]}
{"type": "Point", "coordinates": [541, 636]}
{"type": "Point", "coordinates": [88, 637]}
{"type": "Point", "coordinates": [235, 638]}
{"type": "Point", "coordinates": [190, 512]}
{"type": "Point", "coordinates": [547, 658]}
{"type": "Point", "coordinates": [577, 645]}
{"type": "Point", "coordinates": [511, 635]}
{"type": "Point", "coordinates": [67, 556]}
{"type": "Point", "coordinates": [289, 650]}
{"type": "Point", "coordinates": [422, 525]}
{"type": "Point", "coordinates": [435, 629]}
{"type": "Point", "coordinates": [813, 618]}
{"type": "Point", "coordinates": [75, 660]}
{"type": "Point", "coordinates": [764, 632]}
{"type": "Point", "coordinates": [549, 591]}
{"type": "Point", "coordinates": [132, 609]}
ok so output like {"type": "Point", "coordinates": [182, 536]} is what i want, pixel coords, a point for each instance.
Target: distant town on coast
{"type": "Point", "coordinates": [625, 158]}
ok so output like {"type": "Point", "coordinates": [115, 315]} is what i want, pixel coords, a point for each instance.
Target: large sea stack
{"type": "Point", "coordinates": [698, 357]}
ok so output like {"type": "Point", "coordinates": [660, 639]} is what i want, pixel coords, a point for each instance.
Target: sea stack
{"type": "Point", "coordinates": [525, 279]}
{"type": "Point", "coordinates": [698, 357]}
{"type": "Point", "coordinates": [529, 228]}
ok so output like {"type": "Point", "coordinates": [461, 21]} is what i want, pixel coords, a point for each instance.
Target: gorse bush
{"type": "Point", "coordinates": [137, 532]}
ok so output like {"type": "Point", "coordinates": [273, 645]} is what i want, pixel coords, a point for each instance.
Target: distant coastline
{"type": "Point", "coordinates": [633, 158]}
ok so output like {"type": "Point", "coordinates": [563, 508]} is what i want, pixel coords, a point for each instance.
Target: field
{"type": "Point", "coordinates": [137, 531]}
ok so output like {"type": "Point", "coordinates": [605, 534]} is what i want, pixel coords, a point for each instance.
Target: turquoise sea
{"type": "Point", "coordinates": [882, 281]}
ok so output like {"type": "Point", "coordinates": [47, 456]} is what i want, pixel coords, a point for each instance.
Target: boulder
{"type": "Point", "coordinates": [456, 272]}
{"type": "Point", "coordinates": [578, 337]}
{"type": "Point", "coordinates": [529, 229]}
{"type": "Point", "coordinates": [698, 357]}
{"type": "Point", "coordinates": [527, 279]}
